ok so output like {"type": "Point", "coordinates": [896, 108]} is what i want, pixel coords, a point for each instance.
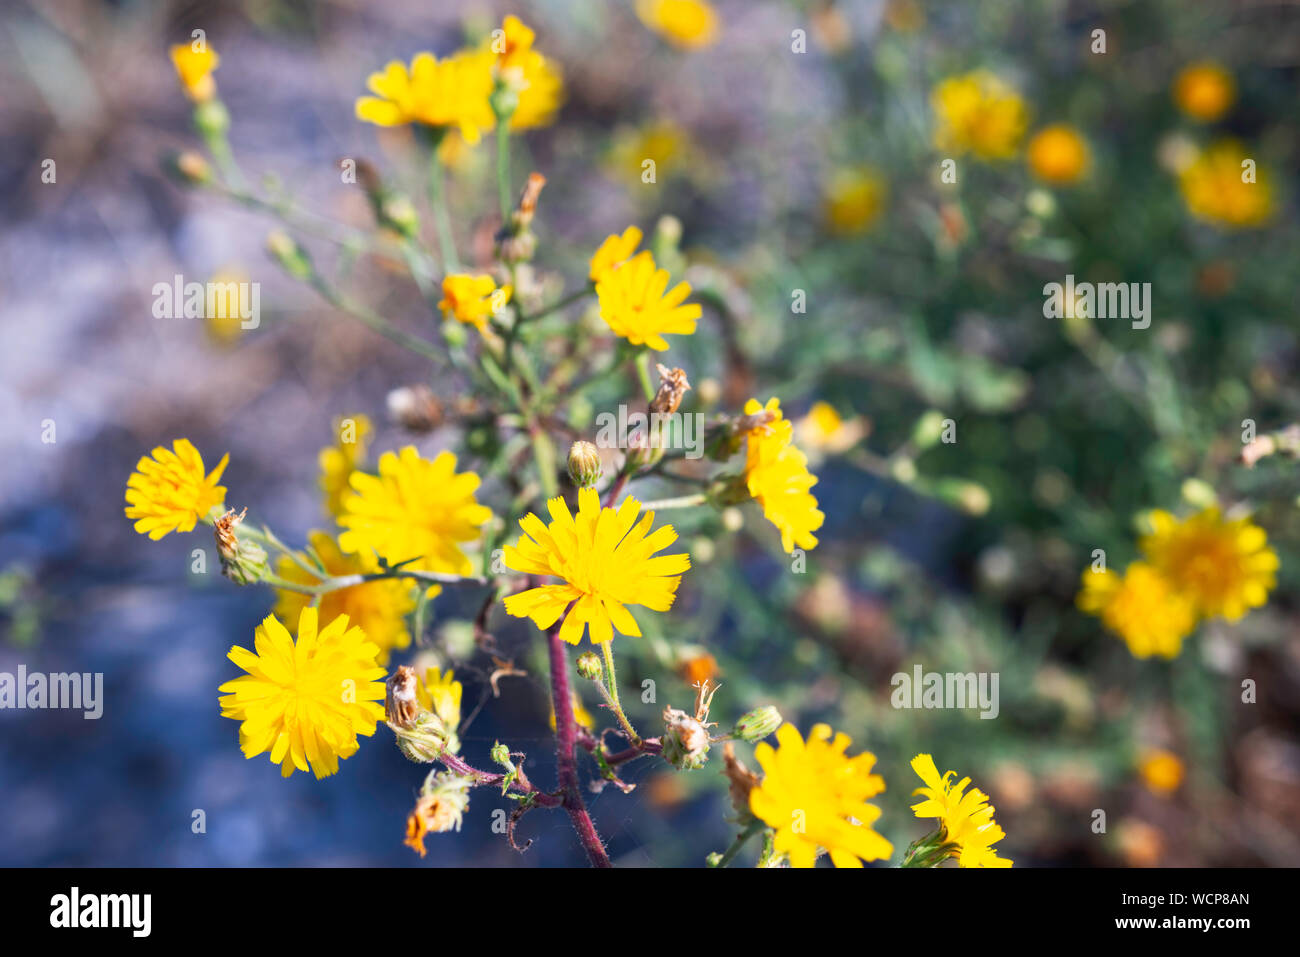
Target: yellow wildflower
{"type": "Point", "coordinates": [194, 67]}
{"type": "Point", "coordinates": [1218, 188]}
{"type": "Point", "coordinates": [979, 113]}
{"type": "Point", "coordinates": [637, 304]}
{"type": "Point", "coordinates": [453, 92]}
{"type": "Point", "coordinates": [606, 559]}
{"type": "Point", "coordinates": [614, 251]}
{"type": "Point", "coordinates": [338, 462]}
{"type": "Point", "coordinates": [1142, 607]}
{"type": "Point", "coordinates": [440, 693]}
{"type": "Point", "coordinates": [1161, 771]}
{"type": "Point", "coordinates": [667, 144]}
{"type": "Point", "coordinates": [306, 701]}
{"type": "Point", "coordinates": [824, 430]}
{"type": "Point", "coordinates": [688, 24]}
{"type": "Point", "coordinates": [965, 816]}
{"type": "Point", "coordinates": [414, 509]}
{"type": "Point", "coordinates": [379, 608]}
{"type": "Point", "coordinates": [535, 78]}
{"type": "Point", "coordinates": [1224, 567]}
{"type": "Point", "coordinates": [854, 200]}
{"type": "Point", "coordinates": [169, 492]}
{"type": "Point", "coordinates": [1204, 91]}
{"type": "Point", "coordinates": [814, 795]}
{"type": "Point", "coordinates": [472, 299]}
{"type": "Point", "coordinates": [1059, 155]}
{"type": "Point", "coordinates": [777, 476]}
{"type": "Point", "coordinates": [224, 322]}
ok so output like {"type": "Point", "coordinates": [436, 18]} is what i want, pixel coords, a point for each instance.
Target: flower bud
{"type": "Point", "coordinates": [584, 464]}
{"type": "Point", "coordinates": [211, 118]}
{"type": "Point", "coordinates": [589, 666]}
{"type": "Point", "coordinates": [500, 754]}
{"type": "Point", "coordinates": [757, 724]}
{"type": "Point", "coordinates": [685, 740]}
{"type": "Point", "coordinates": [189, 168]}
{"type": "Point", "coordinates": [421, 736]}
{"type": "Point", "coordinates": [928, 429]}
{"type": "Point", "coordinates": [244, 563]}
{"type": "Point", "coordinates": [288, 254]}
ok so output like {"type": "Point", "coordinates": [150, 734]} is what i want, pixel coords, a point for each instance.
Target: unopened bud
{"type": "Point", "coordinates": [584, 464]}
{"type": "Point", "coordinates": [243, 562]}
{"type": "Point", "coordinates": [589, 666]}
{"type": "Point", "coordinates": [500, 754]}
{"type": "Point", "coordinates": [288, 254]}
{"type": "Point", "coordinates": [211, 118]}
{"type": "Point", "coordinates": [189, 168]}
{"type": "Point", "coordinates": [928, 429]}
{"type": "Point", "coordinates": [758, 724]}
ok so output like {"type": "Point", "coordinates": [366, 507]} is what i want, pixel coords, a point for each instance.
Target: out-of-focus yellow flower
{"type": "Point", "coordinates": [453, 93]}
{"type": "Point", "coordinates": [305, 701]}
{"type": "Point", "coordinates": [614, 251]}
{"type": "Point", "coordinates": [667, 144]}
{"type": "Point", "coordinates": [339, 461]}
{"type": "Point", "coordinates": [1214, 189]}
{"type": "Point", "coordinates": [1204, 91]}
{"type": "Point", "coordinates": [581, 716]}
{"type": "Point", "coordinates": [1162, 771]}
{"type": "Point", "coordinates": [1059, 154]}
{"type": "Point", "coordinates": [414, 509]}
{"type": "Point", "coordinates": [637, 304]}
{"type": "Point", "coordinates": [814, 795]}
{"type": "Point", "coordinates": [1224, 567]}
{"type": "Point", "coordinates": [472, 299]}
{"type": "Point", "coordinates": [824, 430]}
{"type": "Point", "coordinates": [1142, 607]}
{"type": "Point", "coordinates": [979, 113]}
{"type": "Point", "coordinates": [688, 24]}
{"type": "Point", "coordinates": [169, 492]}
{"type": "Point", "coordinates": [607, 561]}
{"type": "Point", "coordinates": [965, 816]}
{"type": "Point", "coordinates": [854, 200]}
{"type": "Point", "coordinates": [440, 693]}
{"type": "Point", "coordinates": [777, 476]}
{"type": "Point", "coordinates": [535, 78]}
{"type": "Point", "coordinates": [379, 608]}
{"type": "Point", "coordinates": [224, 321]}
{"type": "Point", "coordinates": [194, 67]}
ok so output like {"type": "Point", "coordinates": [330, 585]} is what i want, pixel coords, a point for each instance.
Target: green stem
{"type": "Point", "coordinates": [611, 694]}
{"type": "Point", "coordinates": [683, 501]}
{"type": "Point", "coordinates": [559, 304]}
{"type": "Point", "coordinates": [503, 168]}
{"type": "Point", "coordinates": [441, 217]}
{"type": "Point", "coordinates": [741, 840]}
{"type": "Point", "coordinates": [643, 372]}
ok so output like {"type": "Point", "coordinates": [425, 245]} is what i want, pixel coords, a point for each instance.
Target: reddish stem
{"type": "Point", "coordinates": [616, 489]}
{"type": "Point", "coordinates": [565, 738]}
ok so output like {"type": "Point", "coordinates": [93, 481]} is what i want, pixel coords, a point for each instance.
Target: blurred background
{"type": "Point", "coordinates": [790, 168]}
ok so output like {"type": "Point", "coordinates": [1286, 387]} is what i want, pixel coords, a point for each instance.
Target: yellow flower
{"type": "Point", "coordinates": [688, 24]}
{"type": "Point", "coordinates": [777, 476]}
{"type": "Point", "coordinates": [854, 200]}
{"type": "Point", "coordinates": [1142, 607]}
{"type": "Point", "coordinates": [1214, 189]}
{"type": "Point", "coordinates": [379, 608]}
{"type": "Point", "coordinates": [636, 303]}
{"type": "Point", "coordinates": [665, 143]}
{"type": "Point", "coordinates": [414, 509]}
{"type": "Point", "coordinates": [305, 701]}
{"type": "Point", "coordinates": [1059, 154]}
{"type": "Point", "coordinates": [1204, 91]}
{"type": "Point", "coordinates": [978, 112]}
{"type": "Point", "coordinates": [965, 816]}
{"type": "Point", "coordinates": [814, 795]}
{"type": "Point", "coordinates": [225, 323]}
{"type": "Point", "coordinates": [824, 430]}
{"type": "Point", "coordinates": [614, 251]}
{"type": "Point", "coordinates": [194, 67]}
{"type": "Point", "coordinates": [472, 299]}
{"type": "Point", "coordinates": [581, 716]}
{"type": "Point", "coordinates": [1223, 567]}
{"type": "Point", "coordinates": [606, 558]}
{"type": "Point", "coordinates": [168, 492]}
{"type": "Point", "coordinates": [452, 92]}
{"type": "Point", "coordinates": [536, 79]}
{"type": "Point", "coordinates": [338, 462]}
{"type": "Point", "coordinates": [440, 693]}
{"type": "Point", "coordinates": [1161, 771]}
